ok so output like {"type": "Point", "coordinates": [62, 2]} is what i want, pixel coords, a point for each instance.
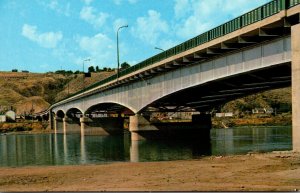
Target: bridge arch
{"type": "Point", "coordinates": [108, 108]}
{"type": "Point", "coordinates": [60, 114]}
{"type": "Point", "coordinates": [74, 113]}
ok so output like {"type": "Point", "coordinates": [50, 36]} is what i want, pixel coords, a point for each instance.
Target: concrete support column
{"type": "Point", "coordinates": [134, 151]}
{"type": "Point", "coordinates": [83, 121]}
{"type": "Point", "coordinates": [65, 124]}
{"type": "Point", "coordinates": [295, 39]}
{"type": "Point", "coordinates": [55, 124]}
{"type": "Point", "coordinates": [137, 125]}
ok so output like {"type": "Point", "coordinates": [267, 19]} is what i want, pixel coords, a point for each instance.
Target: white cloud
{"type": "Point", "coordinates": [119, 2]}
{"type": "Point", "coordinates": [57, 6]}
{"type": "Point", "coordinates": [47, 39]}
{"type": "Point", "coordinates": [150, 28]}
{"type": "Point", "coordinates": [100, 48]}
{"type": "Point", "coordinates": [181, 8]}
{"type": "Point", "coordinates": [89, 15]}
{"type": "Point", "coordinates": [87, 2]}
{"type": "Point", "coordinates": [199, 16]}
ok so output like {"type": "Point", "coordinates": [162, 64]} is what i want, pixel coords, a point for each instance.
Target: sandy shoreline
{"type": "Point", "coordinates": [276, 171]}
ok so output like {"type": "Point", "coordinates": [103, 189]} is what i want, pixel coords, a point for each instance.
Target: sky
{"type": "Point", "coordinates": [50, 35]}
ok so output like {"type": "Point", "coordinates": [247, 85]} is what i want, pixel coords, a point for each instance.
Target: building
{"type": "Point", "coordinates": [262, 111]}
{"type": "Point", "coordinates": [229, 114]}
{"type": "Point", "coordinates": [2, 118]}
{"type": "Point", "coordinates": [10, 115]}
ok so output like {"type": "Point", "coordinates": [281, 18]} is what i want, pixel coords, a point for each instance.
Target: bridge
{"type": "Point", "coordinates": [258, 51]}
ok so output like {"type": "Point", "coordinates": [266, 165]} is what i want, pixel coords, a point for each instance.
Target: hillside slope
{"type": "Point", "coordinates": [29, 92]}
{"type": "Point", "coordinates": [32, 92]}
{"type": "Point", "coordinates": [279, 99]}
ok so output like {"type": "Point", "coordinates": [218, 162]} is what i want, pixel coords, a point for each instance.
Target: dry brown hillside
{"type": "Point", "coordinates": [32, 92]}
{"type": "Point", "coordinates": [35, 92]}
{"type": "Point", "coordinates": [76, 84]}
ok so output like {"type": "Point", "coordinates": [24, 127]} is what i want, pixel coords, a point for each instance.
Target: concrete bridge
{"type": "Point", "coordinates": [257, 51]}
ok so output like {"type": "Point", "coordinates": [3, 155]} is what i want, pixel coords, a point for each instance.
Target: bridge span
{"type": "Point", "coordinates": [257, 51]}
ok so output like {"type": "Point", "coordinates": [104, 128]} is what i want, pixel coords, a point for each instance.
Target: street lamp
{"type": "Point", "coordinates": [85, 60]}
{"type": "Point", "coordinates": [159, 49]}
{"type": "Point", "coordinates": [118, 48]}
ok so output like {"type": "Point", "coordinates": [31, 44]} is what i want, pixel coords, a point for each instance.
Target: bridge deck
{"type": "Point", "coordinates": [267, 22]}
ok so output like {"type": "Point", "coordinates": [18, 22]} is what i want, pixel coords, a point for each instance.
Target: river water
{"type": "Point", "coordinates": [57, 149]}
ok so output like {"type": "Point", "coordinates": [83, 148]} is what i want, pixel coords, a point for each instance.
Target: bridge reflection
{"type": "Point", "coordinates": [59, 149]}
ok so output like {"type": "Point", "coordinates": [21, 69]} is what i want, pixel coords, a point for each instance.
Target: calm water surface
{"type": "Point", "coordinates": [58, 149]}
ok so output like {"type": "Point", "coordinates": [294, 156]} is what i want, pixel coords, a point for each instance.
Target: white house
{"type": "Point", "coordinates": [11, 115]}
{"type": "Point", "coordinates": [2, 118]}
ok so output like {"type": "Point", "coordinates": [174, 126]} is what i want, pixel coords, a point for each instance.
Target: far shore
{"type": "Point", "coordinates": [217, 123]}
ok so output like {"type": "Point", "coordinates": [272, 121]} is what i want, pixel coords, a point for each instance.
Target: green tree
{"type": "Point", "coordinates": [97, 69]}
{"type": "Point", "coordinates": [124, 65]}
{"type": "Point", "coordinates": [91, 69]}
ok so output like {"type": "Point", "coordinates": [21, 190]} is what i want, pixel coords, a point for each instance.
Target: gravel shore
{"type": "Point", "coordinates": [276, 171]}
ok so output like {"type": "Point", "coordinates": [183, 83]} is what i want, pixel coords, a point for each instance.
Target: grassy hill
{"type": "Point", "coordinates": [27, 92]}
{"type": "Point", "coordinates": [34, 92]}
{"type": "Point", "coordinates": [279, 99]}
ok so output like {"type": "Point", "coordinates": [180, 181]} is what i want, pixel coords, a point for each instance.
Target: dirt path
{"type": "Point", "coordinates": [277, 171]}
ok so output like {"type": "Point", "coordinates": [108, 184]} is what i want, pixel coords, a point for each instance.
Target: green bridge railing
{"type": "Point", "coordinates": [248, 18]}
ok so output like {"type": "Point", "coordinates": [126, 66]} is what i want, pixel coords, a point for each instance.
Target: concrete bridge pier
{"type": "Point", "coordinates": [58, 124]}
{"type": "Point", "coordinates": [102, 126]}
{"type": "Point", "coordinates": [139, 126]}
{"type": "Point", "coordinates": [199, 129]}
{"type": "Point", "coordinates": [83, 120]}
{"type": "Point", "coordinates": [295, 39]}
{"type": "Point", "coordinates": [70, 125]}
{"type": "Point", "coordinates": [54, 123]}
{"type": "Point", "coordinates": [65, 124]}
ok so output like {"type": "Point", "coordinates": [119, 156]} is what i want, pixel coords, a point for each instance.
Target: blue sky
{"type": "Point", "coordinates": [49, 35]}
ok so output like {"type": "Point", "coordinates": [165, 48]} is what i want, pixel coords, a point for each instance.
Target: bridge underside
{"type": "Point", "coordinates": [210, 95]}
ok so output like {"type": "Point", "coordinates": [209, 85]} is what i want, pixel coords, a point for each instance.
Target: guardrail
{"type": "Point", "coordinates": [248, 18]}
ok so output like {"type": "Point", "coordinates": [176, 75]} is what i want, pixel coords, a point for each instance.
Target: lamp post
{"type": "Point", "coordinates": [118, 48]}
{"type": "Point", "coordinates": [159, 49]}
{"type": "Point", "coordinates": [85, 60]}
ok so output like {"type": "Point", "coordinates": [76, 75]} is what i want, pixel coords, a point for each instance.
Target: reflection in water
{"type": "Point", "coordinates": [82, 150]}
{"type": "Point", "coordinates": [65, 148]}
{"type": "Point", "coordinates": [250, 139]}
{"type": "Point", "coordinates": [60, 149]}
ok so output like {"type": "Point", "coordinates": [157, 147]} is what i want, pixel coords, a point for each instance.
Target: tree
{"type": "Point", "coordinates": [97, 69]}
{"type": "Point", "coordinates": [124, 65]}
{"type": "Point", "coordinates": [91, 69]}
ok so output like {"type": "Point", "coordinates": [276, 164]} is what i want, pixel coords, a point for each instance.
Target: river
{"type": "Point", "coordinates": [18, 150]}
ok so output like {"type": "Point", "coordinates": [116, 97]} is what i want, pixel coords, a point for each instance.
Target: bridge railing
{"type": "Point", "coordinates": [293, 3]}
{"type": "Point", "coordinates": [248, 18]}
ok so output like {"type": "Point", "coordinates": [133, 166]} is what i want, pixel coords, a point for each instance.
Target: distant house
{"type": "Point", "coordinates": [11, 115]}
{"type": "Point", "coordinates": [229, 114]}
{"type": "Point", "coordinates": [2, 118]}
{"type": "Point", "coordinates": [262, 111]}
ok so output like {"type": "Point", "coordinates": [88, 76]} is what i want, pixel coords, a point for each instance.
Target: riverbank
{"type": "Point", "coordinates": [278, 120]}
{"type": "Point", "coordinates": [277, 171]}
{"type": "Point", "coordinates": [30, 127]}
